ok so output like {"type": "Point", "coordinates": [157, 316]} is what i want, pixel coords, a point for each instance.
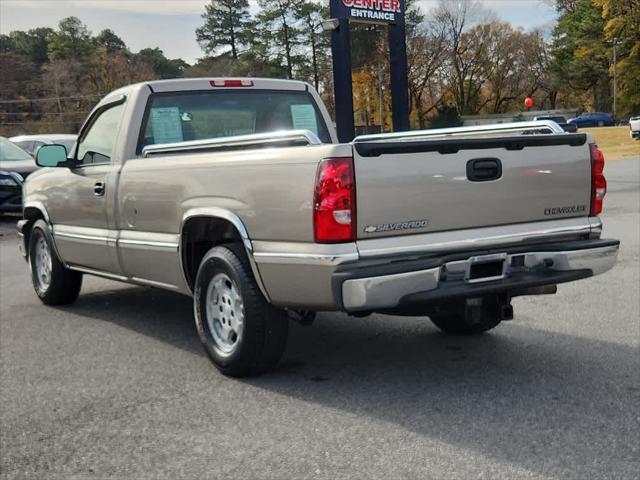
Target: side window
{"type": "Point", "coordinates": [36, 146]}
{"type": "Point", "coordinates": [27, 146]}
{"type": "Point", "coordinates": [97, 143]}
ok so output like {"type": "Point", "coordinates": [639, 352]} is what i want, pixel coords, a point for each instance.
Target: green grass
{"type": "Point", "coordinates": [615, 142]}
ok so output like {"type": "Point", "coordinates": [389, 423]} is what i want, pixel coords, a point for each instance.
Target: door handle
{"type": "Point", "coordinates": [484, 169]}
{"type": "Point", "coordinates": [98, 189]}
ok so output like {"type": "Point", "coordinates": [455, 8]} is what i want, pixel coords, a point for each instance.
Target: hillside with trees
{"type": "Point", "coordinates": [462, 61]}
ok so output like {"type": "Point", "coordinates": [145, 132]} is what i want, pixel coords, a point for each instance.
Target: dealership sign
{"type": "Point", "coordinates": [344, 14]}
{"type": "Point", "coordinates": [373, 10]}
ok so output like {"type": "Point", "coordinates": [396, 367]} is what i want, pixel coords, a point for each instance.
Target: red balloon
{"type": "Point", "coordinates": [528, 102]}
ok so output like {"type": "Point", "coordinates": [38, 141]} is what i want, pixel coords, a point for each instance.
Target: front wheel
{"type": "Point", "coordinates": [53, 282]}
{"type": "Point", "coordinates": [241, 332]}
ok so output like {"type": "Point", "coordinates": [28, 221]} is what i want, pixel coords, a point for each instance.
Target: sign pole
{"type": "Point", "coordinates": [398, 72]}
{"type": "Point", "coordinates": [385, 12]}
{"type": "Point", "coordinates": [341, 52]}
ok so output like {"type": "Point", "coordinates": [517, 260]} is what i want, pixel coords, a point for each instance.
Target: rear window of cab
{"type": "Point", "coordinates": [185, 116]}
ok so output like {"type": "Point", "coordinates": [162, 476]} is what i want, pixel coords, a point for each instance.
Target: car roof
{"type": "Point", "coordinates": [44, 137]}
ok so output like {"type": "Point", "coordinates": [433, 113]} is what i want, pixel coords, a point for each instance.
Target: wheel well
{"type": "Point", "coordinates": [199, 235]}
{"type": "Point", "coordinates": [32, 214]}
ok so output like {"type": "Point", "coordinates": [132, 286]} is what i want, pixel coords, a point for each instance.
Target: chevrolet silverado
{"type": "Point", "coordinates": [237, 193]}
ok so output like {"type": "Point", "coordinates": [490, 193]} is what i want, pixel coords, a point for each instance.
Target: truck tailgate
{"type": "Point", "coordinates": [419, 186]}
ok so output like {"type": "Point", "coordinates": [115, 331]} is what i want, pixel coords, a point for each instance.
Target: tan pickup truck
{"type": "Point", "coordinates": [236, 192]}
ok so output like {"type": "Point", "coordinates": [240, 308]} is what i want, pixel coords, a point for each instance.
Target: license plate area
{"type": "Point", "coordinates": [486, 268]}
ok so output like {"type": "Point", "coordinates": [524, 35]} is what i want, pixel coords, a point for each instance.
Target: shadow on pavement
{"type": "Point", "coordinates": [555, 404]}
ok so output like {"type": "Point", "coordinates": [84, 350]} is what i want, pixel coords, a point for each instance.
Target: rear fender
{"type": "Point", "coordinates": [218, 213]}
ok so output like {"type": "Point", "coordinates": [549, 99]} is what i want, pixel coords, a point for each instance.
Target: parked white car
{"type": "Point", "coordinates": [634, 127]}
{"type": "Point", "coordinates": [31, 143]}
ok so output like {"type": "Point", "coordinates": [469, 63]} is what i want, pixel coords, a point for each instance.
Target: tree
{"type": "Point", "coordinates": [109, 40]}
{"type": "Point", "coordinates": [581, 56]}
{"type": "Point", "coordinates": [18, 77]}
{"type": "Point", "coordinates": [515, 65]}
{"type": "Point", "coordinates": [226, 22]}
{"type": "Point", "coordinates": [425, 55]}
{"type": "Point", "coordinates": [366, 100]}
{"type": "Point", "coordinates": [622, 28]}
{"type": "Point", "coordinates": [278, 30]}
{"type": "Point", "coordinates": [111, 70]}
{"type": "Point", "coordinates": [33, 44]}
{"type": "Point", "coordinates": [161, 65]}
{"type": "Point", "coordinates": [465, 52]}
{"type": "Point", "coordinates": [311, 14]}
{"type": "Point", "coordinates": [446, 116]}
{"type": "Point", "coordinates": [72, 40]}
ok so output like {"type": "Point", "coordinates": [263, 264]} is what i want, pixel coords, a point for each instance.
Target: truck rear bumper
{"type": "Point", "coordinates": [408, 283]}
{"type": "Point", "coordinates": [310, 276]}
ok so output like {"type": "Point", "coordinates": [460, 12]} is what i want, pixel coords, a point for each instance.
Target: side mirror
{"type": "Point", "coordinates": [51, 156]}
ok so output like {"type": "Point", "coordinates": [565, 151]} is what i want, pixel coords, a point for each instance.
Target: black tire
{"type": "Point", "coordinates": [454, 324]}
{"type": "Point", "coordinates": [262, 338]}
{"type": "Point", "coordinates": [63, 285]}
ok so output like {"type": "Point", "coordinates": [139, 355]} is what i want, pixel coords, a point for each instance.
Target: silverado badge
{"type": "Point", "coordinates": [389, 227]}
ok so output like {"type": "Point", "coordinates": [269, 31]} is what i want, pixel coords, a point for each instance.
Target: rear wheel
{"type": "Point", "coordinates": [53, 282]}
{"type": "Point", "coordinates": [241, 332]}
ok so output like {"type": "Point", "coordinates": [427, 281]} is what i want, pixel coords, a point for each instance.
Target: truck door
{"type": "Point", "coordinates": [78, 206]}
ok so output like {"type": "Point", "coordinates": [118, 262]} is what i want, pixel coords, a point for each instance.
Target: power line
{"type": "Point", "coordinates": [50, 99]}
{"type": "Point", "coordinates": [34, 123]}
{"type": "Point", "coordinates": [18, 114]}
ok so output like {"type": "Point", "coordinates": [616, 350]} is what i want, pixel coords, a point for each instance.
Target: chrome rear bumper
{"type": "Point", "coordinates": [451, 278]}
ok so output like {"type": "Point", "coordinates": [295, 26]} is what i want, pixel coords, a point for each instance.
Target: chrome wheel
{"type": "Point", "coordinates": [42, 263]}
{"type": "Point", "coordinates": [225, 313]}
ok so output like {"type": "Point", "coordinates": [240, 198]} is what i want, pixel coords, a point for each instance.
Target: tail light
{"type": "Point", "coordinates": [598, 182]}
{"type": "Point", "coordinates": [334, 201]}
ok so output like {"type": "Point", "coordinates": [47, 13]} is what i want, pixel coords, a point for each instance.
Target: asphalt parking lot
{"type": "Point", "coordinates": [116, 385]}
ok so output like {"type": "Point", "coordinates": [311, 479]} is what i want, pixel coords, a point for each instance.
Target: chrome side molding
{"type": "Point", "coordinates": [258, 140]}
{"type": "Point", "coordinates": [540, 126]}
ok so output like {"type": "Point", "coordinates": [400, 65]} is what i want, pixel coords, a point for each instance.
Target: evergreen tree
{"type": "Point", "coordinates": [311, 14]}
{"type": "Point", "coordinates": [109, 40]}
{"type": "Point", "coordinates": [226, 23]}
{"type": "Point", "coordinates": [279, 31]}
{"type": "Point", "coordinates": [72, 40]}
{"type": "Point", "coordinates": [580, 53]}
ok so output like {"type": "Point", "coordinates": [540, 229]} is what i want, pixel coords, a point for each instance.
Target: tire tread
{"type": "Point", "coordinates": [269, 325]}
{"type": "Point", "coordinates": [65, 284]}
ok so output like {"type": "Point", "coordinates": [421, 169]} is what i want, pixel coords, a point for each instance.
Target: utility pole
{"type": "Point", "coordinates": [381, 82]}
{"type": "Point", "coordinates": [615, 75]}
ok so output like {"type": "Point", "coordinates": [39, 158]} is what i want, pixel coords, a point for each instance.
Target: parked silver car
{"type": "Point", "coordinates": [31, 143]}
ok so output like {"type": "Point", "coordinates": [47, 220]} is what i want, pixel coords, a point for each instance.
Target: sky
{"type": "Point", "coordinates": [170, 24]}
